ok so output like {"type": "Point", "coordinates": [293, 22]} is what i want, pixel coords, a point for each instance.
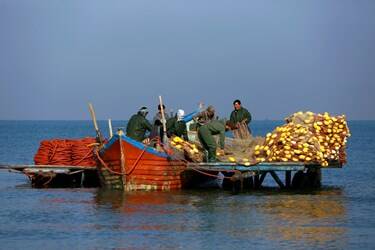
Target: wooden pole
{"type": "Point", "coordinates": [122, 162]}
{"type": "Point", "coordinates": [110, 128]}
{"type": "Point", "coordinates": [165, 138]}
{"type": "Point", "coordinates": [93, 117]}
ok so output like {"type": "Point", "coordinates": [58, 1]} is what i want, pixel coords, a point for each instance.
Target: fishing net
{"type": "Point", "coordinates": [307, 137]}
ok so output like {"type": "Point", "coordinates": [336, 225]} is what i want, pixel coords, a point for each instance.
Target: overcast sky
{"type": "Point", "coordinates": [278, 57]}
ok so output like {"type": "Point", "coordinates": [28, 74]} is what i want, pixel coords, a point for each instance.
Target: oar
{"type": "Point", "coordinates": [93, 117]}
{"type": "Point", "coordinates": [165, 138]}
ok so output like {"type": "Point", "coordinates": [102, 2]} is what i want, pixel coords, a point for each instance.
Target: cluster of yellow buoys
{"type": "Point", "coordinates": [190, 149]}
{"type": "Point", "coordinates": [244, 161]}
{"type": "Point", "coordinates": [307, 137]}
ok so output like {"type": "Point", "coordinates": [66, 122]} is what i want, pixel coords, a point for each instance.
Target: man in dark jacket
{"type": "Point", "coordinates": [176, 125]}
{"type": "Point", "coordinates": [240, 116]}
{"type": "Point", "coordinates": [206, 132]}
{"type": "Point", "coordinates": [138, 125]}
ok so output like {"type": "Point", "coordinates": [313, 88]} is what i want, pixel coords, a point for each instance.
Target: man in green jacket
{"type": "Point", "coordinates": [206, 133]}
{"type": "Point", "coordinates": [138, 125]}
{"type": "Point", "coordinates": [240, 115]}
{"type": "Point", "coordinates": [176, 126]}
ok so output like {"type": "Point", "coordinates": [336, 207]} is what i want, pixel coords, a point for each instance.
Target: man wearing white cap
{"type": "Point", "coordinates": [177, 126]}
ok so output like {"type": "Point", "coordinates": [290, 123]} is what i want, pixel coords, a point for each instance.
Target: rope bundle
{"type": "Point", "coordinates": [61, 152]}
{"type": "Point", "coordinates": [66, 152]}
{"type": "Point", "coordinates": [82, 154]}
{"type": "Point", "coordinates": [43, 154]}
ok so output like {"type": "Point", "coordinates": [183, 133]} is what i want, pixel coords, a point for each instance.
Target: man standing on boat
{"type": "Point", "coordinates": [138, 125]}
{"type": "Point", "coordinates": [158, 123]}
{"type": "Point", "coordinates": [177, 126]}
{"type": "Point", "coordinates": [210, 127]}
{"type": "Point", "coordinates": [241, 118]}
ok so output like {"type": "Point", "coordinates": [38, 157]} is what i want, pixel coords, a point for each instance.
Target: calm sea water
{"type": "Point", "coordinates": [340, 215]}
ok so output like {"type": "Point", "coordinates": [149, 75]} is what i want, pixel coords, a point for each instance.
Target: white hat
{"type": "Point", "coordinates": [180, 114]}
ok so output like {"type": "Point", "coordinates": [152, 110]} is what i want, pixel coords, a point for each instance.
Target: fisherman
{"type": "Point", "coordinates": [205, 116]}
{"type": "Point", "coordinates": [138, 125]}
{"type": "Point", "coordinates": [176, 126]}
{"type": "Point", "coordinates": [240, 117]}
{"type": "Point", "coordinates": [208, 128]}
{"type": "Point", "coordinates": [158, 123]}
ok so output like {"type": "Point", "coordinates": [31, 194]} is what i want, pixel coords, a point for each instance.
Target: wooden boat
{"type": "Point", "coordinates": [130, 165]}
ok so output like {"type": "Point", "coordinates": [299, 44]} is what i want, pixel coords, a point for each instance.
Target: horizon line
{"type": "Point", "coordinates": [128, 119]}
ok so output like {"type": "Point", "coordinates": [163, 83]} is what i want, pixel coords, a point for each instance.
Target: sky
{"type": "Point", "coordinates": [277, 57]}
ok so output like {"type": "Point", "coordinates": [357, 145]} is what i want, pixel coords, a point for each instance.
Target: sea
{"type": "Point", "coordinates": [339, 215]}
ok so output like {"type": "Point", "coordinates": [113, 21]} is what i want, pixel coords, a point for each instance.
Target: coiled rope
{"type": "Point", "coordinates": [77, 152]}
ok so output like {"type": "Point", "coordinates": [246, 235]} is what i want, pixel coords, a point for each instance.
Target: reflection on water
{"type": "Point", "coordinates": [137, 202]}
{"type": "Point", "coordinates": [286, 219]}
{"type": "Point", "coordinates": [314, 220]}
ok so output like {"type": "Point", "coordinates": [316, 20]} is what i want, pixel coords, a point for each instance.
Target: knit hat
{"type": "Point", "coordinates": [143, 110]}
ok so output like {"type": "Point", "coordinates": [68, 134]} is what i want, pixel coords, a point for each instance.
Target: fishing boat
{"type": "Point", "coordinates": [127, 164]}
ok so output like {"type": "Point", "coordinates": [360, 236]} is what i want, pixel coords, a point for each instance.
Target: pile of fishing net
{"type": "Point", "coordinates": [306, 137]}
{"type": "Point", "coordinates": [191, 151]}
{"type": "Point", "coordinates": [236, 150]}
{"type": "Point", "coordinates": [72, 152]}
{"type": "Point", "coordinates": [241, 151]}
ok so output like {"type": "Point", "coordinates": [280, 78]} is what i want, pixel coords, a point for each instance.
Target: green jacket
{"type": "Point", "coordinates": [137, 127]}
{"type": "Point", "coordinates": [239, 115]}
{"type": "Point", "coordinates": [177, 128]}
{"type": "Point", "coordinates": [216, 127]}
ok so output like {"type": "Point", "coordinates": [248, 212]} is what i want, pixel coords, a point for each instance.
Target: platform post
{"type": "Point", "coordinates": [277, 179]}
{"type": "Point", "coordinates": [256, 181]}
{"type": "Point", "coordinates": [82, 178]}
{"type": "Point", "coordinates": [288, 178]}
{"type": "Point", "coordinates": [262, 177]}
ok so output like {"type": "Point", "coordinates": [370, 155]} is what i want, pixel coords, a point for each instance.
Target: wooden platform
{"type": "Point", "coordinates": [305, 174]}
{"type": "Point", "coordinates": [56, 175]}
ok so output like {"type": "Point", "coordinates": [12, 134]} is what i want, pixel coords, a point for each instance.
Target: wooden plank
{"type": "Point", "coordinates": [46, 170]}
{"type": "Point", "coordinates": [226, 167]}
{"type": "Point", "coordinates": [259, 164]}
{"type": "Point", "coordinates": [266, 166]}
{"type": "Point", "coordinates": [20, 167]}
{"type": "Point", "coordinates": [278, 168]}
